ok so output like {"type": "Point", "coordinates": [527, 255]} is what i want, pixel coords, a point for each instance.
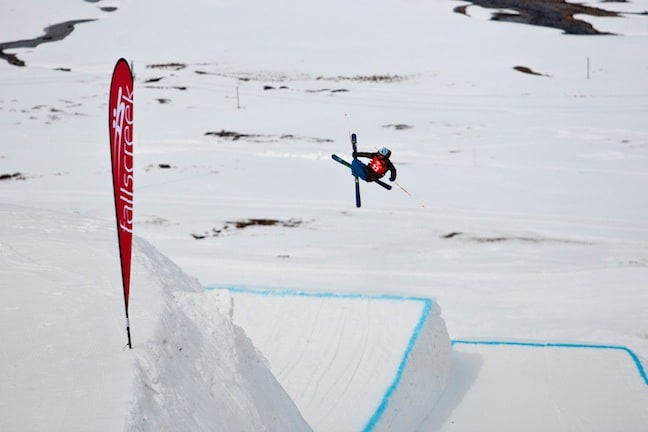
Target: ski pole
{"type": "Point", "coordinates": [402, 188]}
{"type": "Point", "coordinates": [406, 191]}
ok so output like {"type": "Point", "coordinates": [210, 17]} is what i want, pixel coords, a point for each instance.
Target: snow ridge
{"type": "Point", "coordinates": [200, 371]}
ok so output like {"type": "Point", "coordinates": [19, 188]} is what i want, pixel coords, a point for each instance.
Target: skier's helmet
{"type": "Point", "coordinates": [385, 152]}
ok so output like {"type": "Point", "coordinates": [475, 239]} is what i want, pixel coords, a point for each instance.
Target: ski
{"type": "Point", "coordinates": [342, 161]}
{"type": "Point", "coordinates": [354, 145]}
{"type": "Point", "coordinates": [348, 165]}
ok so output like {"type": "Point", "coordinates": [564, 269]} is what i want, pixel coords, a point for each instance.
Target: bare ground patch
{"type": "Point", "coordinates": [527, 70]}
{"type": "Point", "coordinates": [12, 176]}
{"type": "Point", "coordinates": [398, 126]}
{"type": "Point", "coordinates": [518, 238]}
{"type": "Point", "coordinates": [231, 226]}
{"type": "Point", "coordinates": [557, 14]}
{"type": "Point", "coordinates": [53, 33]}
{"type": "Point", "coordinates": [365, 78]}
{"type": "Point", "coordinates": [236, 136]}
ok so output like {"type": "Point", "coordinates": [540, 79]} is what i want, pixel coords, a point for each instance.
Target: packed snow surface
{"type": "Point", "coordinates": [501, 283]}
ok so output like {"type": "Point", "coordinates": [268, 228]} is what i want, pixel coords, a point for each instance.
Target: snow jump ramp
{"type": "Point", "coordinates": [350, 362]}
{"type": "Point", "coordinates": [354, 362]}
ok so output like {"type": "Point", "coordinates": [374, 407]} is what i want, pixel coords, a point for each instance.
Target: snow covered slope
{"type": "Point", "coordinates": [65, 366]}
{"type": "Point", "coordinates": [523, 217]}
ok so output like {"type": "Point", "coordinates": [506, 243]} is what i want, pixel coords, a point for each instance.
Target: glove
{"type": "Point", "coordinates": [354, 154]}
{"type": "Point", "coordinates": [392, 178]}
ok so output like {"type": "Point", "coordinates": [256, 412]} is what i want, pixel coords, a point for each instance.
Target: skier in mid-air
{"type": "Point", "coordinates": [377, 166]}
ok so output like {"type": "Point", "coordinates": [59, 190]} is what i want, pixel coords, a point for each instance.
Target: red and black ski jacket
{"type": "Point", "coordinates": [378, 166]}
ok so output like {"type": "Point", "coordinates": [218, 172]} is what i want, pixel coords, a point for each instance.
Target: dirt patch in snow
{"type": "Point", "coordinates": [546, 13]}
{"type": "Point", "coordinates": [53, 33]}
{"type": "Point", "coordinates": [246, 223]}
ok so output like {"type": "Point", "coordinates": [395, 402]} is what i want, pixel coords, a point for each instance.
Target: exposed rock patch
{"type": "Point", "coordinates": [546, 13]}
{"type": "Point", "coordinates": [53, 33]}
{"type": "Point", "coordinates": [245, 223]}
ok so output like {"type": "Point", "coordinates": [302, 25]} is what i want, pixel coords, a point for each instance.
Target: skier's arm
{"type": "Point", "coordinates": [364, 154]}
{"type": "Point", "coordinates": [392, 171]}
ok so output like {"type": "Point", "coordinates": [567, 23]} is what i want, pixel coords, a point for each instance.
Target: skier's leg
{"type": "Point", "coordinates": [359, 169]}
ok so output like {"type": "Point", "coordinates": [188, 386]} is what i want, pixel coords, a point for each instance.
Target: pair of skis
{"type": "Point", "coordinates": [337, 158]}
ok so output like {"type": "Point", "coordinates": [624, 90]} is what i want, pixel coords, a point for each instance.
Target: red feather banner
{"type": "Point", "coordinates": [120, 120]}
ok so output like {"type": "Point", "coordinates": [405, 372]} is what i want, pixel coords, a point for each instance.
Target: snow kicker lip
{"type": "Point", "coordinates": [382, 413]}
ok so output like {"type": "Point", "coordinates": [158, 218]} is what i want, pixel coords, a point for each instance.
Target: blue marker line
{"type": "Point", "coordinates": [633, 356]}
{"type": "Point", "coordinates": [315, 294]}
{"type": "Point", "coordinates": [375, 418]}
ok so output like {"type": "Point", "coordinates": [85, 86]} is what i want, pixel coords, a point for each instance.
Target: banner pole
{"type": "Point", "coordinates": [130, 345]}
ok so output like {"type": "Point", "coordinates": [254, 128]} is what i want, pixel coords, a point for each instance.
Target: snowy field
{"type": "Point", "coordinates": [262, 299]}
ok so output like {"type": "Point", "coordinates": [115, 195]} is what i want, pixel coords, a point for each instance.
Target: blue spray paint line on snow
{"type": "Point", "coordinates": [316, 294]}
{"type": "Point", "coordinates": [427, 307]}
{"type": "Point", "coordinates": [375, 418]}
{"type": "Point", "coordinates": [633, 356]}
